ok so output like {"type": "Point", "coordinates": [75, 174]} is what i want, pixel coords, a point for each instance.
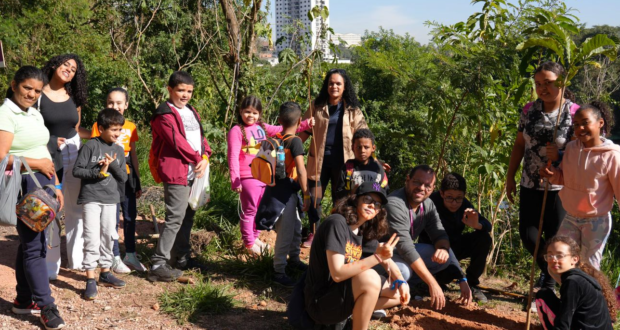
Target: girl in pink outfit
{"type": "Point", "coordinates": [590, 173]}
{"type": "Point", "coordinates": [243, 142]}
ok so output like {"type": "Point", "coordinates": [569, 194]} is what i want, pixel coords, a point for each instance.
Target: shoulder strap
{"type": "Point", "coordinates": [34, 178]}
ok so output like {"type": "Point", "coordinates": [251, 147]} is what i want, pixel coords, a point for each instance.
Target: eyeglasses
{"type": "Point", "coordinates": [452, 200]}
{"type": "Point", "coordinates": [555, 257]}
{"type": "Point", "coordinates": [367, 199]}
{"type": "Point", "coordinates": [426, 187]}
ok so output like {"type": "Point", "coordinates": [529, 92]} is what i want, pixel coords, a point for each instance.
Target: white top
{"type": "Point", "coordinates": [192, 134]}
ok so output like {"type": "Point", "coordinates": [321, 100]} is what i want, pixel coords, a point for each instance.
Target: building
{"type": "Point", "coordinates": [290, 11]}
{"type": "Point", "coordinates": [351, 39]}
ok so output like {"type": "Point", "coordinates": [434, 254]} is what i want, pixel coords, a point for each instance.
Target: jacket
{"type": "Point", "coordinates": [170, 153]}
{"type": "Point", "coordinates": [591, 178]}
{"type": "Point", "coordinates": [353, 120]}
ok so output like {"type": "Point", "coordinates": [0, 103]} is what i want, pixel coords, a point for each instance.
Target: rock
{"type": "Point", "coordinates": [155, 307]}
{"type": "Point", "coordinates": [107, 308]}
{"type": "Point", "coordinates": [263, 303]}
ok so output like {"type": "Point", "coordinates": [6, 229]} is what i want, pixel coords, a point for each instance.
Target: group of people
{"type": "Point", "coordinates": [374, 251]}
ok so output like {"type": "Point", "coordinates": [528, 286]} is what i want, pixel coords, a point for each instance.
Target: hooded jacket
{"type": "Point", "coordinates": [170, 153]}
{"type": "Point", "coordinates": [591, 178]}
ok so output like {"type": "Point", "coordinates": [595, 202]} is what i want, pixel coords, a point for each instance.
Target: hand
{"type": "Point", "coordinates": [470, 218]}
{"type": "Point", "coordinates": [405, 294]}
{"type": "Point", "coordinates": [552, 152]}
{"type": "Point", "coordinates": [547, 172]}
{"type": "Point", "coordinates": [200, 168]}
{"type": "Point", "coordinates": [60, 198]}
{"type": "Point", "coordinates": [440, 256]}
{"type": "Point", "coordinates": [465, 298]}
{"type": "Point", "coordinates": [386, 250]}
{"type": "Point", "coordinates": [306, 205]}
{"type": "Point", "coordinates": [138, 194]}
{"type": "Point", "coordinates": [238, 190]}
{"type": "Point", "coordinates": [387, 167]}
{"type": "Point", "coordinates": [511, 189]}
{"type": "Point", "coordinates": [60, 141]}
{"type": "Point", "coordinates": [438, 300]}
{"type": "Point", "coordinates": [311, 122]}
{"type": "Point", "coordinates": [45, 166]}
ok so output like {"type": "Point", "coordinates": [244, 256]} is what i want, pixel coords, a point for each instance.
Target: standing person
{"type": "Point", "coordinates": [338, 116]}
{"type": "Point", "coordinates": [457, 213]}
{"type": "Point", "coordinates": [586, 298]}
{"type": "Point", "coordinates": [243, 140]}
{"type": "Point", "coordinates": [23, 133]}
{"type": "Point", "coordinates": [179, 154]}
{"type": "Point", "coordinates": [101, 166]}
{"type": "Point", "coordinates": [535, 146]}
{"type": "Point", "coordinates": [339, 282]}
{"type": "Point", "coordinates": [60, 105]}
{"type": "Point", "coordinates": [590, 173]}
{"type": "Point", "coordinates": [118, 99]}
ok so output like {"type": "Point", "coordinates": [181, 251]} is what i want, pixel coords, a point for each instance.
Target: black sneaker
{"type": "Point", "coordinates": [299, 265]}
{"type": "Point", "coordinates": [29, 308]}
{"type": "Point", "coordinates": [50, 317]}
{"type": "Point", "coordinates": [108, 279]}
{"type": "Point", "coordinates": [91, 289]}
{"type": "Point", "coordinates": [192, 264]}
{"type": "Point", "coordinates": [164, 273]}
{"type": "Point", "coordinates": [283, 280]}
{"type": "Point", "coordinates": [478, 295]}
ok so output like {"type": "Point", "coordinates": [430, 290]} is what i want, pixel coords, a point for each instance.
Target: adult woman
{"type": "Point", "coordinates": [337, 116]}
{"type": "Point", "coordinates": [60, 106]}
{"type": "Point", "coordinates": [535, 145]}
{"type": "Point", "coordinates": [339, 282]}
{"type": "Point", "coordinates": [22, 133]}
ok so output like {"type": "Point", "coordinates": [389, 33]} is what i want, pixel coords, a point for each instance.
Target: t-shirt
{"type": "Point", "coordinates": [129, 134]}
{"type": "Point", "coordinates": [334, 235]}
{"type": "Point", "coordinates": [537, 128]}
{"type": "Point", "coordinates": [358, 173]}
{"type": "Point", "coordinates": [30, 136]}
{"type": "Point", "coordinates": [192, 134]}
{"type": "Point", "coordinates": [60, 117]}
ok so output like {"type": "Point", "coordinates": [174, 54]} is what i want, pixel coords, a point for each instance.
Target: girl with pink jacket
{"type": "Point", "coordinates": [590, 173]}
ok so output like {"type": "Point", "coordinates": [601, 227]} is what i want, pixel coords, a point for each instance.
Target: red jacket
{"type": "Point", "coordinates": [170, 153]}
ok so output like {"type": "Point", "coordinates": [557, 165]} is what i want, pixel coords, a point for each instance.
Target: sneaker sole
{"type": "Point", "coordinates": [109, 285]}
{"type": "Point", "coordinates": [153, 278]}
{"type": "Point", "coordinates": [135, 268]}
{"type": "Point", "coordinates": [19, 311]}
{"type": "Point", "coordinates": [48, 328]}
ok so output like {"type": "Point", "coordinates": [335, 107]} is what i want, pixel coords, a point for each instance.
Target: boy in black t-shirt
{"type": "Point", "coordinates": [281, 201]}
{"type": "Point", "coordinates": [363, 167]}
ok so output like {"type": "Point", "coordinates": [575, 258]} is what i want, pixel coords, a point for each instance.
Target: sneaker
{"type": "Point", "coordinates": [379, 314]}
{"type": "Point", "coordinates": [283, 280]}
{"type": "Point", "coordinates": [192, 264]}
{"type": "Point", "coordinates": [108, 279]}
{"type": "Point", "coordinates": [262, 245]}
{"type": "Point", "coordinates": [29, 308]}
{"type": "Point", "coordinates": [255, 249]}
{"type": "Point", "coordinates": [164, 273]}
{"type": "Point", "coordinates": [50, 317]}
{"type": "Point", "coordinates": [478, 295]}
{"type": "Point", "coordinates": [53, 277]}
{"type": "Point", "coordinates": [90, 293]}
{"type": "Point", "coordinates": [132, 261]}
{"type": "Point", "coordinates": [299, 265]}
{"type": "Point", "coordinates": [119, 267]}
{"type": "Point", "coordinates": [533, 308]}
{"type": "Point", "coordinates": [308, 242]}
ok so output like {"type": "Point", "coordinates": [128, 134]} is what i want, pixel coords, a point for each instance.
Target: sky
{"type": "Point", "coordinates": [408, 16]}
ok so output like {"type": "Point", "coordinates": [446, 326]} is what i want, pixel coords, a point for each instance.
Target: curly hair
{"type": "Point", "coordinates": [453, 181]}
{"type": "Point", "coordinates": [348, 95]}
{"type": "Point", "coordinates": [600, 110]}
{"type": "Point", "coordinates": [374, 229]}
{"type": "Point", "coordinates": [559, 71]}
{"type": "Point", "coordinates": [77, 88]}
{"type": "Point", "coordinates": [587, 268]}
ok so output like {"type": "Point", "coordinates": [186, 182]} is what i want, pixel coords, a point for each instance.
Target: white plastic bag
{"type": "Point", "coordinates": [10, 186]}
{"type": "Point", "coordinates": [200, 194]}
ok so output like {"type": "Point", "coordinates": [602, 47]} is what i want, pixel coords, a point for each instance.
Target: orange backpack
{"type": "Point", "coordinates": [264, 165]}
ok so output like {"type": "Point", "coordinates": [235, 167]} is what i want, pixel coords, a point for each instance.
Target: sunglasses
{"type": "Point", "coordinates": [367, 199]}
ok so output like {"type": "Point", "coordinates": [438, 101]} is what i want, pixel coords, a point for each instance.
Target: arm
{"type": "Point", "coordinates": [118, 167]}
{"type": "Point", "coordinates": [302, 178]}
{"type": "Point", "coordinates": [133, 155]}
{"type": "Point", "coordinates": [438, 300]}
{"type": "Point", "coordinates": [340, 271]}
{"type": "Point", "coordinates": [165, 129]}
{"type": "Point", "coordinates": [518, 150]}
{"type": "Point", "coordinates": [570, 292]}
{"type": "Point", "coordinates": [480, 222]}
{"type": "Point", "coordinates": [307, 115]}
{"type": "Point", "coordinates": [43, 165]}
{"type": "Point", "coordinates": [80, 169]}
{"type": "Point", "coordinates": [398, 220]}
{"type": "Point", "coordinates": [614, 174]}
{"type": "Point", "coordinates": [235, 143]}
{"type": "Point", "coordinates": [359, 121]}
{"type": "Point", "coordinates": [83, 132]}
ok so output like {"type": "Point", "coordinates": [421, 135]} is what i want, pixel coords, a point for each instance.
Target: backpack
{"type": "Point", "coordinates": [264, 166]}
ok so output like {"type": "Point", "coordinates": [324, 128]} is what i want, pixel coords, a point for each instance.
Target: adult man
{"type": "Point", "coordinates": [410, 213]}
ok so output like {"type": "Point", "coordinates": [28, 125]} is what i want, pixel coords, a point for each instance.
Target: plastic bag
{"type": "Point", "coordinates": [10, 186]}
{"type": "Point", "coordinates": [200, 194]}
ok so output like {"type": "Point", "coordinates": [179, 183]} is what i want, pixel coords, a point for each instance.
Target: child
{"type": "Point", "coordinates": [118, 99]}
{"type": "Point", "coordinates": [280, 202]}
{"type": "Point", "coordinates": [363, 167]}
{"type": "Point", "coordinates": [99, 166]}
{"type": "Point", "coordinates": [590, 173]}
{"type": "Point", "coordinates": [586, 297]}
{"type": "Point", "coordinates": [179, 154]}
{"type": "Point", "coordinates": [241, 150]}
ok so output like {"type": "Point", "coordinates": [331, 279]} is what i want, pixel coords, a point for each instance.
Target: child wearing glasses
{"type": "Point", "coordinates": [456, 214]}
{"type": "Point", "coordinates": [586, 297]}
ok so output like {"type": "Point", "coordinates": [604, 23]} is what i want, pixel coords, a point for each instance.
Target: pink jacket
{"type": "Point", "coordinates": [591, 178]}
{"type": "Point", "coordinates": [240, 157]}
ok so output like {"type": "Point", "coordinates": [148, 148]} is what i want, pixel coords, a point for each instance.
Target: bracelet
{"type": "Point", "coordinates": [306, 197]}
{"type": "Point", "coordinates": [105, 175]}
{"type": "Point", "coordinates": [205, 157]}
{"type": "Point", "coordinates": [464, 279]}
{"type": "Point", "coordinates": [378, 258]}
{"type": "Point", "coordinates": [58, 186]}
{"type": "Point", "coordinates": [397, 284]}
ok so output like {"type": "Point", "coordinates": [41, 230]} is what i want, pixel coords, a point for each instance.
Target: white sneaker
{"type": "Point", "coordinates": [133, 261]}
{"type": "Point", "coordinates": [262, 245]}
{"type": "Point", "coordinates": [255, 249]}
{"type": "Point", "coordinates": [533, 308]}
{"type": "Point", "coordinates": [119, 267]}
{"type": "Point", "coordinates": [379, 314]}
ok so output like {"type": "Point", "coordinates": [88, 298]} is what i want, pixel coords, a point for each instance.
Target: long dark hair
{"type": "Point", "coordinates": [348, 96]}
{"type": "Point", "coordinates": [559, 71]}
{"type": "Point", "coordinates": [587, 268]}
{"type": "Point", "coordinates": [77, 88]}
{"type": "Point", "coordinates": [24, 73]}
{"type": "Point", "coordinates": [373, 229]}
{"type": "Point", "coordinates": [600, 110]}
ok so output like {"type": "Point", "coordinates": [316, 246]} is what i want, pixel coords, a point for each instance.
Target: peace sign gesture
{"type": "Point", "coordinates": [385, 250]}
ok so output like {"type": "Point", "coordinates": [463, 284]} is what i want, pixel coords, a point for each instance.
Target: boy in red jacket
{"type": "Point", "coordinates": [179, 154]}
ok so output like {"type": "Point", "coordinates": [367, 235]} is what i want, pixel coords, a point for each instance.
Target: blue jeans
{"type": "Point", "coordinates": [426, 252]}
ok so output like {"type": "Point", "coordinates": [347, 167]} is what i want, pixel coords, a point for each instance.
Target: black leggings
{"type": "Point", "coordinates": [529, 217]}
{"type": "Point", "coordinates": [317, 190]}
